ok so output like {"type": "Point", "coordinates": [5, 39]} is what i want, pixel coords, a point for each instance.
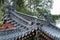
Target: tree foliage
{"type": "Point", "coordinates": [1, 15]}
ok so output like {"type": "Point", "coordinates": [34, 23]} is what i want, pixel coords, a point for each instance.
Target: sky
{"type": "Point", "coordinates": [56, 10]}
{"type": "Point", "coordinates": [56, 7]}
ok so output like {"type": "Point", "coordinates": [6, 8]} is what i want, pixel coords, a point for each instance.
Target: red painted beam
{"type": "Point", "coordinates": [7, 25]}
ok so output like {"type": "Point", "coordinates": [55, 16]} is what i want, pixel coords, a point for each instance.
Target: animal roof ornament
{"type": "Point", "coordinates": [10, 5]}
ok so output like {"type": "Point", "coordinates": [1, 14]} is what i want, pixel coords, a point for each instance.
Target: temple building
{"type": "Point", "coordinates": [19, 26]}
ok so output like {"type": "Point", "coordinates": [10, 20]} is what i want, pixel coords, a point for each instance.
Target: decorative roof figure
{"type": "Point", "coordinates": [10, 5]}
